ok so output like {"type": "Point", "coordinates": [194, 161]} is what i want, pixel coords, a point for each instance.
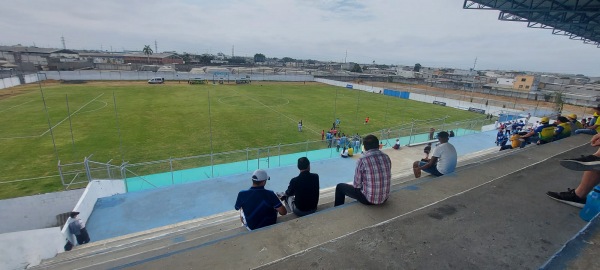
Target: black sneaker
{"type": "Point", "coordinates": [584, 163]}
{"type": "Point", "coordinates": [568, 197]}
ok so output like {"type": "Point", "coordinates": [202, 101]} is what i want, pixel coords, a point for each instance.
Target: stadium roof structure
{"type": "Point", "coordinates": [577, 19]}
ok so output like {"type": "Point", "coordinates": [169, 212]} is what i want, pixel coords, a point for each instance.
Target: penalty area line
{"type": "Point", "coordinates": [63, 120]}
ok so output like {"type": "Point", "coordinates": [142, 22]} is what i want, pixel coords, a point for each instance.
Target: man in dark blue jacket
{"type": "Point", "coordinates": [259, 206]}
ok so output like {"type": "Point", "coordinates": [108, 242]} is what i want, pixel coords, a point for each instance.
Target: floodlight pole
{"type": "Point", "coordinates": [48, 117]}
{"type": "Point", "coordinates": [70, 123]}
{"type": "Point", "coordinates": [335, 103]}
{"type": "Point", "coordinates": [211, 138]}
{"type": "Point", "coordinates": [118, 127]}
{"type": "Point", "coordinates": [357, 103]}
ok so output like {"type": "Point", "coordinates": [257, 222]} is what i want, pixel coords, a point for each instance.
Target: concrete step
{"type": "Point", "coordinates": [489, 216]}
{"type": "Point", "coordinates": [210, 230]}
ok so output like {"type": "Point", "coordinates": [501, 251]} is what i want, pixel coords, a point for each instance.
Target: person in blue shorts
{"type": "Point", "coordinates": [259, 206]}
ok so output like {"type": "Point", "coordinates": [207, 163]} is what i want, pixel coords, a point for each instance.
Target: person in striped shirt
{"type": "Point", "coordinates": [372, 176]}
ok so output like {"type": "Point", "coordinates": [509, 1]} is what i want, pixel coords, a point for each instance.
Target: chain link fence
{"type": "Point", "coordinates": [160, 173]}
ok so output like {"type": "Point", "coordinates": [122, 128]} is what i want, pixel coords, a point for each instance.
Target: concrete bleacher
{"type": "Point", "coordinates": [492, 213]}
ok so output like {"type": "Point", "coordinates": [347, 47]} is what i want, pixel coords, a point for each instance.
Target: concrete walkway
{"type": "Point", "coordinates": [138, 211]}
{"type": "Point", "coordinates": [491, 216]}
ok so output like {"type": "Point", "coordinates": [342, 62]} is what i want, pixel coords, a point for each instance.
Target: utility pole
{"type": "Point", "coordinates": [346, 57]}
{"type": "Point", "coordinates": [155, 46]}
{"type": "Point", "coordinates": [232, 51]}
{"type": "Point", "coordinates": [62, 39]}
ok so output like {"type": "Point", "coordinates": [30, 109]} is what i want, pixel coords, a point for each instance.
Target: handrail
{"type": "Point", "coordinates": [413, 131]}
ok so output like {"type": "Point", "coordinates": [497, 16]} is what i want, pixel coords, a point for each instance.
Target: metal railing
{"type": "Point", "coordinates": [171, 171]}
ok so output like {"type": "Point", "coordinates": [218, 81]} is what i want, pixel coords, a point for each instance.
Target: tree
{"type": "Point", "coordinates": [288, 59]}
{"type": "Point", "coordinates": [205, 58]}
{"type": "Point", "coordinates": [356, 68]}
{"type": "Point", "coordinates": [259, 57]}
{"type": "Point", "coordinates": [417, 67]}
{"type": "Point", "coordinates": [147, 51]}
{"type": "Point", "coordinates": [186, 57]}
{"type": "Point", "coordinates": [237, 60]}
{"type": "Point", "coordinates": [559, 102]}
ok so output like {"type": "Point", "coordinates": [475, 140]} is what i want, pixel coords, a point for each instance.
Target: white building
{"type": "Point", "coordinates": [505, 81]}
{"type": "Point", "coordinates": [405, 73]}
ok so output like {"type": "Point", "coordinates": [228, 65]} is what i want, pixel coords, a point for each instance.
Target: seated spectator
{"type": "Point", "coordinates": [575, 125]}
{"type": "Point", "coordinates": [258, 206]}
{"type": "Point", "coordinates": [520, 125]}
{"type": "Point", "coordinates": [501, 139]}
{"type": "Point", "coordinates": [515, 142]}
{"type": "Point", "coordinates": [544, 133]}
{"type": "Point", "coordinates": [397, 144]}
{"type": "Point", "coordinates": [344, 153]}
{"type": "Point", "coordinates": [426, 150]}
{"type": "Point", "coordinates": [590, 165]}
{"type": "Point", "coordinates": [593, 126]}
{"type": "Point", "coordinates": [372, 176]}
{"type": "Point", "coordinates": [563, 128]}
{"type": "Point", "coordinates": [443, 160]}
{"type": "Point", "coordinates": [302, 194]}
{"type": "Point", "coordinates": [451, 133]}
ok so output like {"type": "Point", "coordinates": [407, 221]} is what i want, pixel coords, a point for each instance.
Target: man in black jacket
{"type": "Point", "coordinates": [302, 195]}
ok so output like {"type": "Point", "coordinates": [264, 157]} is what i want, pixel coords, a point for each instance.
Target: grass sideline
{"type": "Point", "coordinates": [172, 120]}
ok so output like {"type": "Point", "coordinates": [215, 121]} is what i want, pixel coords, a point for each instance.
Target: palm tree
{"type": "Point", "coordinates": [147, 51]}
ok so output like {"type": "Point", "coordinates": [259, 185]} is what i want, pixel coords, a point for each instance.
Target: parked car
{"type": "Point", "coordinates": [197, 81]}
{"type": "Point", "coordinates": [156, 80]}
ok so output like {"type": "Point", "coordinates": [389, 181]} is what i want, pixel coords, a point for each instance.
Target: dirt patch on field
{"type": "Point", "coordinates": [567, 108]}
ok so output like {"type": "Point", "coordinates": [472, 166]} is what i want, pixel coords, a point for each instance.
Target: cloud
{"type": "Point", "coordinates": [433, 32]}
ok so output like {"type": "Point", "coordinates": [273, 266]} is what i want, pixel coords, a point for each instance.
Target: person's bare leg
{"type": "Point", "coordinates": [589, 180]}
{"type": "Point", "coordinates": [416, 169]}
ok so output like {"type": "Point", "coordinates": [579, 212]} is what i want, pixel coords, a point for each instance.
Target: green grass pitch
{"type": "Point", "coordinates": [172, 120]}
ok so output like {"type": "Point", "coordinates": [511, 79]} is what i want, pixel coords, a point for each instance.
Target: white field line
{"type": "Point", "coordinates": [271, 108]}
{"type": "Point", "coordinates": [28, 179]}
{"type": "Point", "coordinates": [65, 119]}
{"type": "Point", "coordinates": [17, 106]}
{"type": "Point", "coordinates": [105, 105]}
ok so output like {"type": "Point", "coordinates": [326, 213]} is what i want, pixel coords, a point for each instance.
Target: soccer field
{"type": "Point", "coordinates": [136, 122]}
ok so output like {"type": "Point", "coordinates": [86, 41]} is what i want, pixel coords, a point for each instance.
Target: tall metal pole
{"type": "Point", "coordinates": [357, 103]}
{"type": "Point", "coordinates": [118, 127]}
{"type": "Point", "coordinates": [387, 107]}
{"type": "Point", "coordinates": [70, 124]}
{"type": "Point", "coordinates": [281, 128]}
{"type": "Point", "coordinates": [211, 138]}
{"type": "Point", "coordinates": [335, 103]}
{"type": "Point", "coordinates": [48, 118]}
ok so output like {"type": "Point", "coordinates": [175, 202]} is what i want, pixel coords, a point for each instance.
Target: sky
{"type": "Point", "coordinates": [434, 33]}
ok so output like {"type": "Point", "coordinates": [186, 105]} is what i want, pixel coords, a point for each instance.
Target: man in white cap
{"type": "Point", "coordinates": [258, 206]}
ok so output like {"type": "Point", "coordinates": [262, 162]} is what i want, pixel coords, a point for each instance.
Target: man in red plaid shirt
{"type": "Point", "coordinates": [371, 178]}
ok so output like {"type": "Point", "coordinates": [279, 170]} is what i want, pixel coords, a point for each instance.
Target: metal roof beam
{"type": "Point", "coordinates": [547, 5]}
{"type": "Point", "coordinates": [578, 19]}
